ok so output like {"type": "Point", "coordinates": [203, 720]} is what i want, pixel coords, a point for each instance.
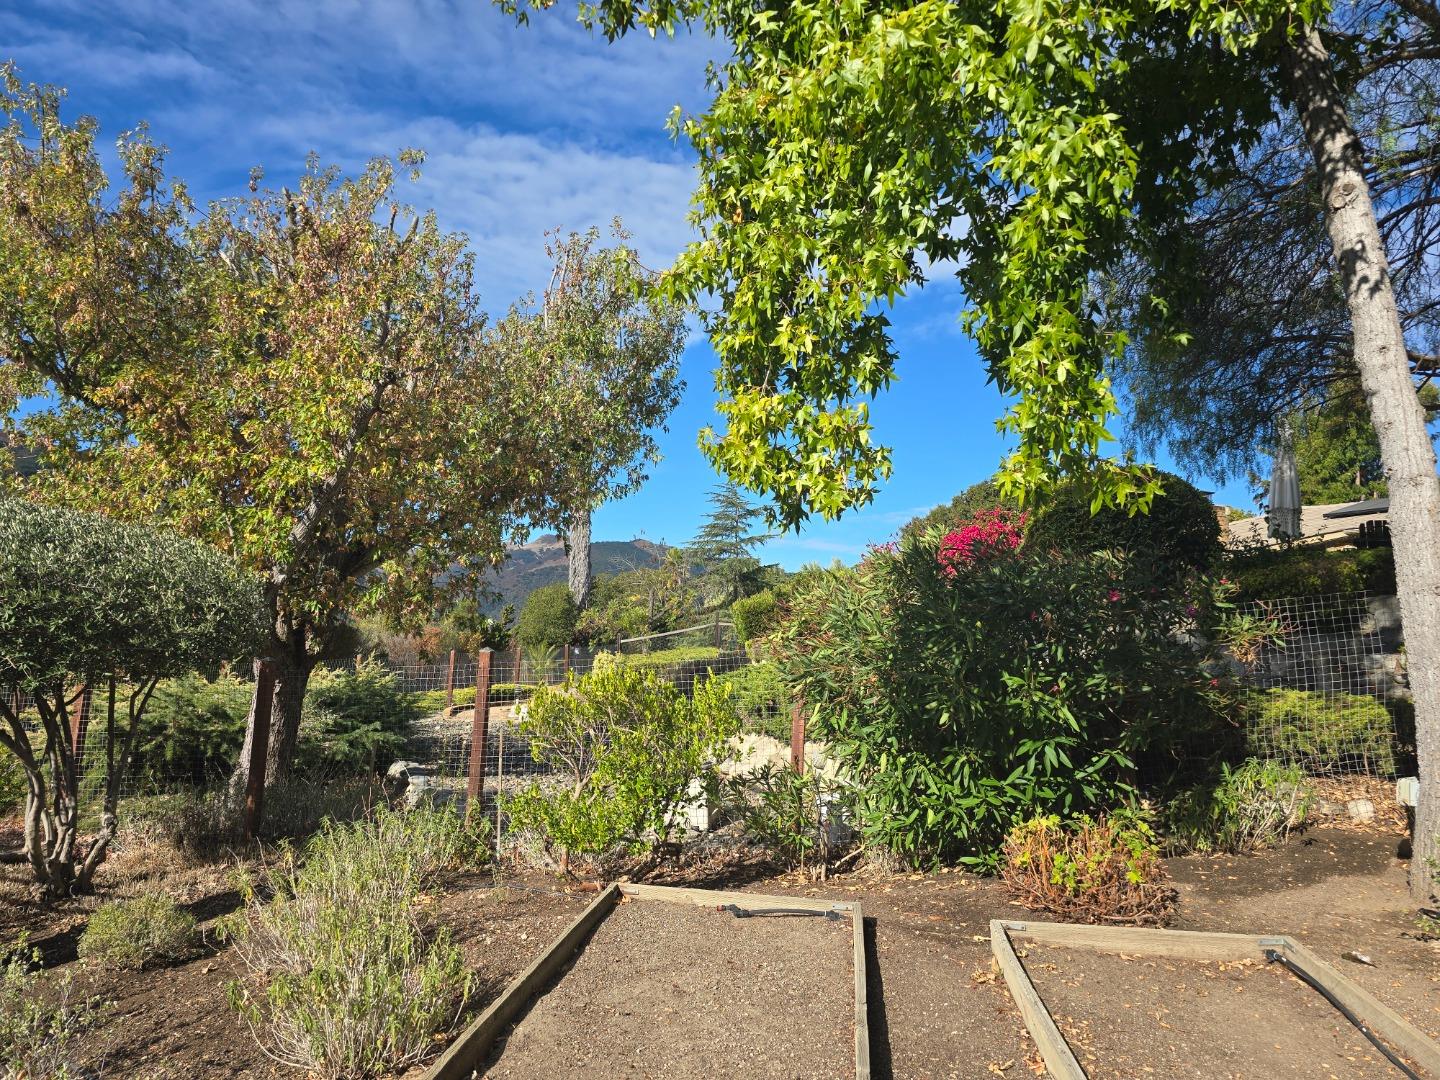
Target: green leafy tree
{"type": "Point", "coordinates": [305, 380]}
{"type": "Point", "coordinates": [726, 543]}
{"type": "Point", "coordinates": [985, 495]}
{"type": "Point", "coordinates": [852, 144]}
{"type": "Point", "coordinates": [1337, 452]}
{"type": "Point", "coordinates": [615, 346]}
{"type": "Point", "coordinates": [548, 619]}
{"type": "Point", "coordinates": [645, 600]}
{"type": "Point", "coordinates": [88, 601]}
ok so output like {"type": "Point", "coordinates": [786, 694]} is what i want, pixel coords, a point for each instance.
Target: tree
{"type": "Point", "coordinates": [547, 621]}
{"type": "Point", "coordinates": [616, 347]}
{"type": "Point", "coordinates": [86, 601]}
{"type": "Point", "coordinates": [725, 544]}
{"type": "Point", "coordinates": [306, 381]}
{"type": "Point", "coordinates": [851, 144]}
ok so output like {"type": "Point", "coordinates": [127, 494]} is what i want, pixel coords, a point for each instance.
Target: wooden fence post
{"type": "Point", "coordinates": [479, 730]}
{"type": "Point", "coordinates": [567, 661]}
{"type": "Point", "coordinates": [717, 631]}
{"type": "Point", "coordinates": [450, 684]}
{"type": "Point", "coordinates": [79, 726]}
{"type": "Point", "coordinates": [259, 747]}
{"type": "Point", "coordinates": [797, 738]}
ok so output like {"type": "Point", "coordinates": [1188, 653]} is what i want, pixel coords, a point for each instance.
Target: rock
{"type": "Point", "coordinates": [1361, 811]}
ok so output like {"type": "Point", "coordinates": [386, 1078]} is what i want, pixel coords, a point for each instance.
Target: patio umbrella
{"type": "Point", "coordinates": [1284, 512]}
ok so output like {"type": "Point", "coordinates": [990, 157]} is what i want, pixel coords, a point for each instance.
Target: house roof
{"type": "Point", "coordinates": [1316, 522]}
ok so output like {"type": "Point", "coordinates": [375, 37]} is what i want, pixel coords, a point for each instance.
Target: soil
{"type": "Point", "coordinates": [938, 1010]}
{"type": "Point", "coordinates": [1129, 1016]}
{"type": "Point", "coordinates": [689, 993]}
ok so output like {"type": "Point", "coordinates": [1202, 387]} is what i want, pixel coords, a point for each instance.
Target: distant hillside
{"type": "Point", "coordinates": [542, 561]}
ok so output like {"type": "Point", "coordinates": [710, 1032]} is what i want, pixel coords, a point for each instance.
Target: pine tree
{"type": "Point", "coordinates": [725, 544]}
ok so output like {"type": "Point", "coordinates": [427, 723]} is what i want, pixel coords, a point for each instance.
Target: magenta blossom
{"type": "Point", "coordinates": [988, 533]}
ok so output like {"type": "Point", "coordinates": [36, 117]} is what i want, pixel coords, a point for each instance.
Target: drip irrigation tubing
{"type": "Point", "coordinates": [1276, 957]}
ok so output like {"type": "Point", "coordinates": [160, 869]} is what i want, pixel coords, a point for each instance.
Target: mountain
{"type": "Point", "coordinates": [542, 561]}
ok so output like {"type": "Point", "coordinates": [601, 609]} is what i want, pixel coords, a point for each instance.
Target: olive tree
{"type": "Point", "coordinates": [87, 601]}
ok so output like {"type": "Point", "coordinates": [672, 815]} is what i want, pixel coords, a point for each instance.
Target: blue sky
{"type": "Point", "coordinates": [527, 129]}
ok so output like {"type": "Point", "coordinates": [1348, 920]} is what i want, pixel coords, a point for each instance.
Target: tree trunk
{"type": "Point", "coordinates": [293, 666]}
{"type": "Point", "coordinates": [577, 552]}
{"type": "Point", "coordinates": [1405, 446]}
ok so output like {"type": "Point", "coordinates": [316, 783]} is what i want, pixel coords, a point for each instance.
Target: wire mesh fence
{"type": "Point", "coordinates": [1330, 695]}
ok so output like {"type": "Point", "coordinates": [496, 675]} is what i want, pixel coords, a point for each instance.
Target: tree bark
{"type": "Point", "coordinates": [577, 553]}
{"type": "Point", "coordinates": [293, 665]}
{"type": "Point", "coordinates": [1405, 447]}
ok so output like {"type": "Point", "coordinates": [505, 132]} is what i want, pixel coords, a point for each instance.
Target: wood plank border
{"type": "Point", "coordinates": [1186, 945]}
{"type": "Point", "coordinates": [471, 1046]}
{"type": "Point", "coordinates": [469, 1049]}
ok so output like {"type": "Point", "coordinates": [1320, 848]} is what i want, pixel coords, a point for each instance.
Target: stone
{"type": "Point", "coordinates": [1361, 811]}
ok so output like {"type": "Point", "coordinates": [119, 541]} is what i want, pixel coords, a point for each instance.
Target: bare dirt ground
{"type": "Point", "coordinates": [1130, 1016]}
{"type": "Point", "coordinates": [688, 993]}
{"type": "Point", "coordinates": [937, 1008]}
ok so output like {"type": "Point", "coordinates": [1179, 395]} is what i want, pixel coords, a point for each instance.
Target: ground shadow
{"type": "Point", "coordinates": [880, 1067]}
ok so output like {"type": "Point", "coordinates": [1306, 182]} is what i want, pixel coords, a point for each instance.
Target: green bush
{"type": "Point", "coordinates": [1322, 733]}
{"type": "Point", "coordinates": [975, 499]}
{"type": "Point", "coordinates": [1238, 810]}
{"type": "Point", "coordinates": [13, 784]}
{"type": "Point", "coordinates": [965, 698]}
{"type": "Point", "coordinates": [39, 1020]}
{"type": "Point", "coordinates": [696, 657]}
{"type": "Point", "coordinates": [135, 933]}
{"type": "Point", "coordinates": [1276, 573]}
{"type": "Point", "coordinates": [349, 978]}
{"type": "Point", "coordinates": [758, 694]}
{"type": "Point", "coordinates": [548, 619]}
{"type": "Point", "coordinates": [786, 811]}
{"type": "Point", "coordinates": [1103, 870]}
{"type": "Point", "coordinates": [755, 616]}
{"type": "Point", "coordinates": [193, 730]}
{"type": "Point", "coordinates": [626, 748]}
{"type": "Point", "coordinates": [355, 719]}
{"type": "Point", "coordinates": [1180, 532]}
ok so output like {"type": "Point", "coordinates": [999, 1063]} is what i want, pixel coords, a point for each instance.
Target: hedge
{"type": "Point", "coordinates": [1271, 575]}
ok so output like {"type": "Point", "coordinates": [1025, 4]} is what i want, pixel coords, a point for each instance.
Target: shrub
{"type": "Point", "coordinates": [627, 748]}
{"type": "Point", "coordinates": [659, 658]}
{"type": "Point", "coordinates": [13, 784]}
{"type": "Point", "coordinates": [759, 697]}
{"type": "Point", "coordinates": [1027, 684]}
{"type": "Point", "coordinates": [962, 508]}
{"type": "Point", "coordinates": [1273, 573]}
{"type": "Point", "coordinates": [135, 933]}
{"type": "Point", "coordinates": [39, 1021]}
{"type": "Point", "coordinates": [1321, 732]}
{"type": "Point", "coordinates": [755, 616]}
{"type": "Point", "coordinates": [1238, 810]}
{"type": "Point", "coordinates": [788, 812]}
{"type": "Point", "coordinates": [349, 977]}
{"type": "Point", "coordinates": [193, 730]}
{"type": "Point", "coordinates": [355, 720]}
{"type": "Point", "coordinates": [1104, 869]}
{"type": "Point", "coordinates": [548, 619]}
{"type": "Point", "coordinates": [1181, 531]}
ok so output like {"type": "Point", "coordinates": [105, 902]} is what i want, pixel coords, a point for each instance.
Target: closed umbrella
{"type": "Point", "coordinates": [1284, 513]}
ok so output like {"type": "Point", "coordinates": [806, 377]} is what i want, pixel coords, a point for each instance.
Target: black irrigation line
{"type": "Point", "coordinates": [750, 913]}
{"type": "Point", "coordinates": [1276, 957]}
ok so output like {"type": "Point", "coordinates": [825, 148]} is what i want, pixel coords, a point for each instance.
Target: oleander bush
{"type": "Point", "coordinates": [133, 934]}
{"type": "Point", "coordinates": [349, 975]}
{"type": "Point", "coordinates": [967, 684]}
{"type": "Point", "coordinates": [1238, 809]}
{"type": "Point", "coordinates": [1104, 869]}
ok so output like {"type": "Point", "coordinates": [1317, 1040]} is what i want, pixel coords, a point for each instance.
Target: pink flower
{"type": "Point", "coordinates": [989, 533]}
{"type": "Point", "coordinates": [1114, 596]}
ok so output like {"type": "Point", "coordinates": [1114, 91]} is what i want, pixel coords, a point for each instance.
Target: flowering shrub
{"type": "Point", "coordinates": [988, 534]}
{"type": "Point", "coordinates": [967, 697]}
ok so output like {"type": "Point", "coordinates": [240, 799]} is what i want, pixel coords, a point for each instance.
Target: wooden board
{"type": "Point", "coordinates": [468, 1051]}
{"type": "Point", "coordinates": [1186, 945]}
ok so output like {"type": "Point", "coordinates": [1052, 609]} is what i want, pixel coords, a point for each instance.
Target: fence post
{"type": "Point", "coordinates": [717, 631]}
{"type": "Point", "coordinates": [259, 747]}
{"type": "Point", "coordinates": [797, 738]}
{"type": "Point", "coordinates": [567, 661]}
{"type": "Point", "coordinates": [79, 726]}
{"type": "Point", "coordinates": [450, 684]}
{"type": "Point", "coordinates": [479, 730]}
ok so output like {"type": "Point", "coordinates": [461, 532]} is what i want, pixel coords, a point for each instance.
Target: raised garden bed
{"type": "Point", "coordinates": [686, 984]}
{"type": "Point", "coordinates": [1121, 1002]}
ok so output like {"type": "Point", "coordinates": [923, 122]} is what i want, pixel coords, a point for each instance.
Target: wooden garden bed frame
{"type": "Point", "coordinates": [1183, 945]}
{"type": "Point", "coordinates": [469, 1050]}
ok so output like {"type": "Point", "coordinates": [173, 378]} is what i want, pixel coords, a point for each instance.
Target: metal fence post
{"type": "Point", "coordinates": [80, 725]}
{"type": "Point", "coordinates": [717, 631]}
{"type": "Point", "coordinates": [797, 738]}
{"type": "Point", "coordinates": [450, 684]}
{"type": "Point", "coordinates": [259, 747]}
{"type": "Point", "coordinates": [479, 730]}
